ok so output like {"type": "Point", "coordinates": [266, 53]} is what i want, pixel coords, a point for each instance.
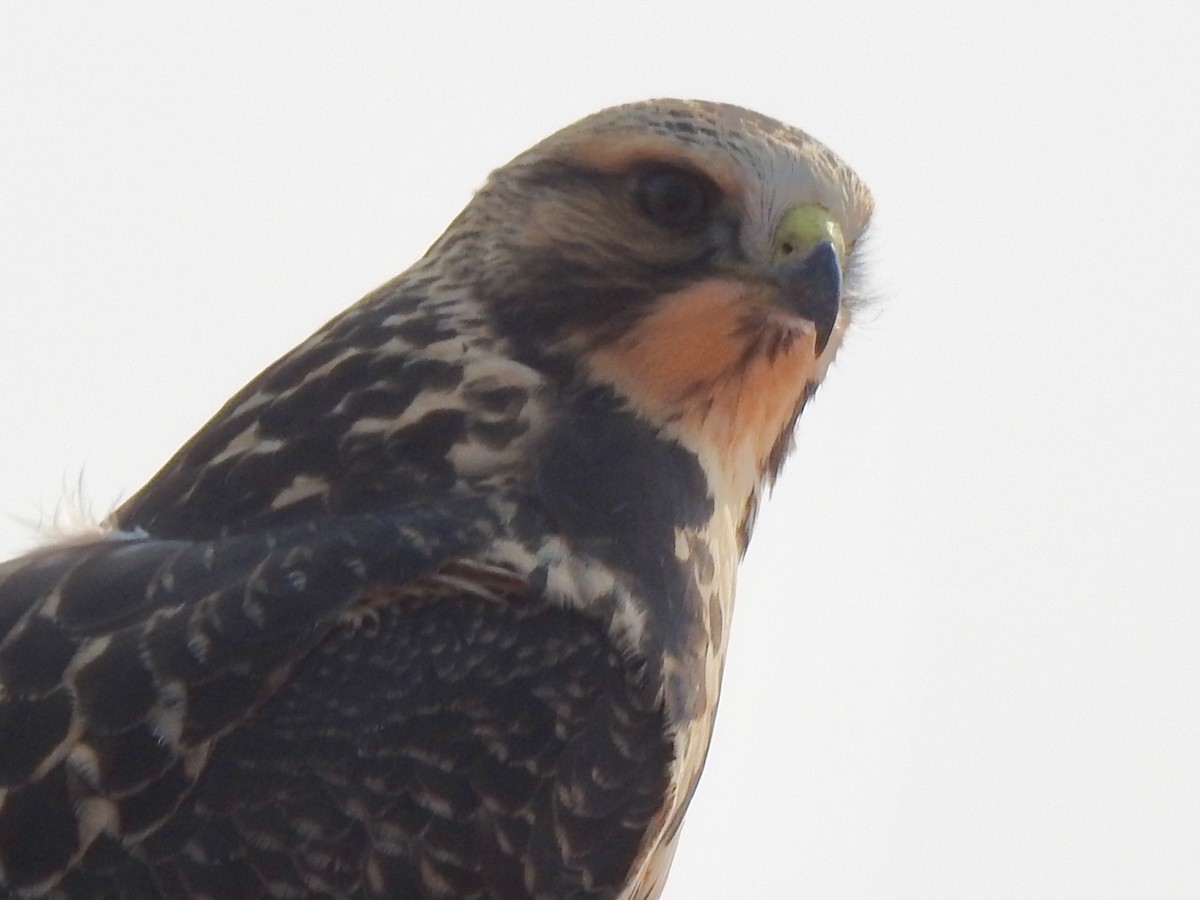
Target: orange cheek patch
{"type": "Point", "coordinates": [696, 360]}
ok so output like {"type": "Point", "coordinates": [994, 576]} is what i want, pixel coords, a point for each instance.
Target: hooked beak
{"type": "Point", "coordinates": [807, 254]}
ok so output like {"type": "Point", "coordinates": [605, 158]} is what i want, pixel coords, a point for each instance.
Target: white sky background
{"type": "Point", "coordinates": [966, 660]}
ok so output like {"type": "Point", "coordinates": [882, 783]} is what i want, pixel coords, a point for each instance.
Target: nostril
{"type": "Point", "coordinates": [787, 248]}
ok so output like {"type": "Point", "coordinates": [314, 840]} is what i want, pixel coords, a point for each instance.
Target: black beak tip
{"type": "Point", "coordinates": [812, 289]}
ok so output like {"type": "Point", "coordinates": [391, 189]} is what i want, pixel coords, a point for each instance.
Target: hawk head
{"type": "Point", "coordinates": [696, 257]}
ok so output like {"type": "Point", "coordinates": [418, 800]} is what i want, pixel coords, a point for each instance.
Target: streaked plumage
{"type": "Point", "coordinates": [437, 606]}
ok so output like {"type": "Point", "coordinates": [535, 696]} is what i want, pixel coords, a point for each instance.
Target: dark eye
{"type": "Point", "coordinates": [674, 198]}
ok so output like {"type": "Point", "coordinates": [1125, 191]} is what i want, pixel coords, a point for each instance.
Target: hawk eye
{"type": "Point", "coordinates": [674, 198]}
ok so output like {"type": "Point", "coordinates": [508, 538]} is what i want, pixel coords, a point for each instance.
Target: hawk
{"type": "Point", "coordinates": [437, 605]}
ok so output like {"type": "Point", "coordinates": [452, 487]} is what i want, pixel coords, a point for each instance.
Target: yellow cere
{"type": "Point", "coordinates": [803, 227]}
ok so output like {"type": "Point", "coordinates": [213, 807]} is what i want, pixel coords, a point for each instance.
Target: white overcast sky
{"type": "Point", "coordinates": [966, 658]}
